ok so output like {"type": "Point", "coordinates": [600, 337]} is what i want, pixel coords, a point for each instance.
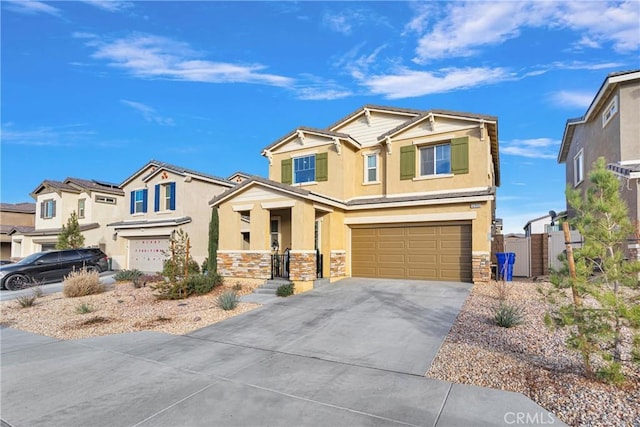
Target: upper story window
{"type": "Point", "coordinates": [371, 167]}
{"type": "Point", "coordinates": [304, 169]}
{"type": "Point", "coordinates": [610, 111]}
{"type": "Point", "coordinates": [48, 209]}
{"type": "Point", "coordinates": [165, 197]}
{"type": "Point", "coordinates": [107, 200]}
{"type": "Point", "coordinates": [435, 160]}
{"type": "Point", "coordinates": [81, 208]}
{"type": "Point", "coordinates": [309, 168]}
{"type": "Point", "coordinates": [578, 168]}
{"type": "Point", "coordinates": [138, 201]}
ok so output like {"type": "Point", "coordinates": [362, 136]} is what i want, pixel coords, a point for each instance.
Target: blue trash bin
{"type": "Point", "coordinates": [505, 265]}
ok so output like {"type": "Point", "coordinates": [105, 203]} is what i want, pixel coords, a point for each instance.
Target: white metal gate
{"type": "Point", "coordinates": [557, 246]}
{"type": "Point", "coordinates": [522, 248]}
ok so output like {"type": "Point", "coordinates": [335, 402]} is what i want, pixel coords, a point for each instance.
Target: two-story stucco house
{"type": "Point", "coordinates": [161, 198]}
{"type": "Point", "coordinates": [14, 216]}
{"type": "Point", "coordinates": [95, 203]}
{"type": "Point", "coordinates": [611, 129]}
{"type": "Point", "coordinates": [384, 192]}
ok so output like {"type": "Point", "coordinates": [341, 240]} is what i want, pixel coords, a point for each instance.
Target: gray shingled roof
{"type": "Point", "coordinates": [177, 169]}
{"type": "Point", "coordinates": [374, 107]}
{"type": "Point", "coordinates": [94, 185]}
{"type": "Point", "coordinates": [152, 223]}
{"type": "Point", "coordinates": [18, 207]}
{"type": "Point", "coordinates": [382, 200]}
{"type": "Point", "coordinates": [311, 130]}
{"type": "Point", "coordinates": [50, 231]}
{"type": "Point", "coordinates": [286, 187]}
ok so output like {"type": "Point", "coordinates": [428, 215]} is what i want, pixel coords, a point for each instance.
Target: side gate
{"type": "Point", "coordinates": [522, 248]}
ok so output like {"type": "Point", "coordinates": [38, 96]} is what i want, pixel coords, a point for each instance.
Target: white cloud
{"type": "Point", "coordinates": [68, 135]}
{"type": "Point", "coordinates": [570, 99]}
{"type": "Point", "coordinates": [149, 113]}
{"type": "Point", "coordinates": [539, 148]}
{"type": "Point", "coordinates": [156, 57]}
{"type": "Point", "coordinates": [469, 26]}
{"type": "Point", "coordinates": [109, 5]}
{"type": "Point", "coordinates": [339, 23]}
{"type": "Point", "coordinates": [407, 83]}
{"type": "Point", "coordinates": [31, 7]}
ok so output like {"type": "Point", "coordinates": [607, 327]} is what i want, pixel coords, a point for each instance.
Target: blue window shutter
{"type": "Point", "coordinates": [172, 200]}
{"type": "Point", "coordinates": [132, 209]}
{"type": "Point", "coordinates": [156, 201]}
{"type": "Point", "coordinates": [145, 192]}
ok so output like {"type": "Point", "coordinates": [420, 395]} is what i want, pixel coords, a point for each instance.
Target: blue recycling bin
{"type": "Point", "coordinates": [505, 265]}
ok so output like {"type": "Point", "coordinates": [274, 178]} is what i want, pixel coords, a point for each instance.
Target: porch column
{"type": "Point", "coordinates": [259, 227]}
{"type": "Point", "coordinates": [229, 237]}
{"type": "Point", "coordinates": [302, 270]}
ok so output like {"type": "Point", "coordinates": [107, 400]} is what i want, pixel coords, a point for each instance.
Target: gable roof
{"type": "Point", "coordinates": [94, 185]}
{"type": "Point", "coordinates": [57, 186]}
{"type": "Point", "coordinates": [18, 207]}
{"type": "Point", "coordinates": [158, 166]}
{"type": "Point", "coordinates": [408, 112]}
{"type": "Point", "coordinates": [609, 85]}
{"type": "Point", "coordinates": [312, 131]}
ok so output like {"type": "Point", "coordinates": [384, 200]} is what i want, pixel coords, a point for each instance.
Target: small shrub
{"type": "Point", "coordinates": [127, 275]}
{"type": "Point", "coordinates": [502, 289]}
{"type": "Point", "coordinates": [26, 301]}
{"type": "Point", "coordinates": [197, 284]}
{"type": "Point", "coordinates": [237, 286]}
{"type": "Point", "coordinates": [37, 291]}
{"type": "Point", "coordinates": [80, 283]}
{"type": "Point", "coordinates": [285, 290]}
{"type": "Point", "coordinates": [228, 300]}
{"type": "Point", "coordinates": [141, 281]}
{"type": "Point", "coordinates": [205, 265]}
{"type": "Point", "coordinates": [611, 373]}
{"type": "Point", "coordinates": [176, 269]}
{"type": "Point", "coordinates": [84, 309]}
{"type": "Point", "coordinates": [507, 315]}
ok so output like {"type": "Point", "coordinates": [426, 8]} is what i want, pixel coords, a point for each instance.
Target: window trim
{"type": "Point", "coordinates": [609, 113]}
{"type": "Point", "coordinates": [82, 210]}
{"type": "Point", "coordinates": [366, 168]}
{"type": "Point", "coordinates": [51, 203]}
{"type": "Point", "coordinates": [293, 169]}
{"type": "Point", "coordinates": [136, 201]}
{"type": "Point", "coordinates": [579, 156]}
{"type": "Point", "coordinates": [106, 200]}
{"type": "Point", "coordinates": [435, 174]}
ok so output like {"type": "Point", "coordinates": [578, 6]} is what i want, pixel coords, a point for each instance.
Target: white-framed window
{"type": "Point", "coordinates": [48, 209]}
{"type": "Point", "coordinates": [610, 111]}
{"type": "Point", "coordinates": [81, 207]}
{"type": "Point", "coordinates": [578, 168]}
{"type": "Point", "coordinates": [139, 201]}
{"type": "Point", "coordinates": [371, 167]}
{"type": "Point", "coordinates": [105, 199]}
{"type": "Point", "coordinates": [435, 160]}
{"type": "Point", "coordinates": [166, 196]}
{"type": "Point", "coordinates": [304, 169]}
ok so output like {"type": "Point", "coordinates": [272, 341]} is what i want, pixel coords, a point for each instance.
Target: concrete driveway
{"type": "Point", "coordinates": [350, 353]}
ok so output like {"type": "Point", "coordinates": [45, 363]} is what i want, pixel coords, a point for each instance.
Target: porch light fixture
{"type": "Point", "coordinates": [275, 246]}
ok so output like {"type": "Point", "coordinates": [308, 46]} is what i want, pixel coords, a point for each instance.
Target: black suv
{"type": "Point", "coordinates": [50, 266]}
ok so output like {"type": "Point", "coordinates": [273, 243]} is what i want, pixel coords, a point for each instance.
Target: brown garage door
{"type": "Point", "coordinates": [425, 252]}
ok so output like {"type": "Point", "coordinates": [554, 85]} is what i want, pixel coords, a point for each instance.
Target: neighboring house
{"type": "Point", "coordinates": [238, 177]}
{"type": "Point", "coordinates": [12, 216]}
{"type": "Point", "coordinates": [95, 203]}
{"type": "Point", "coordinates": [161, 198]}
{"type": "Point", "coordinates": [384, 192]}
{"type": "Point", "coordinates": [544, 224]}
{"type": "Point", "coordinates": [611, 129]}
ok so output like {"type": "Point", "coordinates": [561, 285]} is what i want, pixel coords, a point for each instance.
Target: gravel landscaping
{"type": "Point", "coordinates": [531, 359]}
{"type": "Point", "coordinates": [124, 308]}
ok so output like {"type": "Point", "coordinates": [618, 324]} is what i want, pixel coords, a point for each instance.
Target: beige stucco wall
{"type": "Point", "coordinates": [17, 218]}
{"type": "Point", "coordinates": [46, 223]}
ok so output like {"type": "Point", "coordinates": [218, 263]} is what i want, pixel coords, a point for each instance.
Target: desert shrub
{"type": "Point", "coordinates": [285, 290]}
{"type": "Point", "coordinates": [197, 284]}
{"type": "Point", "coordinates": [176, 269]}
{"type": "Point", "coordinates": [37, 291]}
{"type": "Point", "coordinates": [80, 283]}
{"type": "Point", "coordinates": [84, 309]}
{"type": "Point", "coordinates": [27, 301]}
{"type": "Point", "coordinates": [237, 286]}
{"type": "Point", "coordinates": [142, 280]}
{"type": "Point", "coordinates": [228, 300]}
{"type": "Point", "coordinates": [127, 275]}
{"type": "Point", "coordinates": [508, 315]}
{"type": "Point", "coordinates": [204, 267]}
{"type": "Point", "coordinates": [611, 373]}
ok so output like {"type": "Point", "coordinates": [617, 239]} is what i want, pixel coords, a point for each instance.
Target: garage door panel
{"type": "Point", "coordinates": [148, 254]}
{"type": "Point", "coordinates": [427, 252]}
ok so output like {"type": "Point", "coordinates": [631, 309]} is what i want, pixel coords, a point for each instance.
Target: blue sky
{"type": "Point", "coordinates": [95, 89]}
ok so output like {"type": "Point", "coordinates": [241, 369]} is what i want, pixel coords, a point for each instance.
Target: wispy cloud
{"type": "Point", "coordinates": [480, 24]}
{"type": "Point", "coordinates": [110, 5]}
{"type": "Point", "coordinates": [155, 57]}
{"type": "Point", "coordinates": [31, 7]}
{"type": "Point", "coordinates": [569, 99]}
{"type": "Point", "coordinates": [406, 83]}
{"type": "Point", "coordinates": [68, 135]}
{"type": "Point", "coordinates": [343, 21]}
{"type": "Point", "coordinates": [149, 113]}
{"type": "Point", "coordinates": [539, 148]}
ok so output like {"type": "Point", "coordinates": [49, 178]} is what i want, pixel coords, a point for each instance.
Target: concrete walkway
{"type": "Point", "coordinates": [353, 353]}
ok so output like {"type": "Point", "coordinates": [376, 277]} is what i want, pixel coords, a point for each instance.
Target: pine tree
{"type": "Point", "coordinates": [70, 237]}
{"type": "Point", "coordinates": [214, 225]}
{"type": "Point", "coordinates": [605, 283]}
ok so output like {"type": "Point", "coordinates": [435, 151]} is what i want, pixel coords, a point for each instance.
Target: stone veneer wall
{"type": "Point", "coordinates": [338, 262]}
{"type": "Point", "coordinates": [481, 270]}
{"type": "Point", "coordinates": [302, 266]}
{"type": "Point", "coordinates": [253, 265]}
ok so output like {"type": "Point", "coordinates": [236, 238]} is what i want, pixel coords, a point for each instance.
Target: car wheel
{"type": "Point", "coordinates": [92, 268]}
{"type": "Point", "coordinates": [17, 282]}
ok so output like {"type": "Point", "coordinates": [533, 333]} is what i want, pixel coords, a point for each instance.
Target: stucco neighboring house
{"type": "Point", "coordinates": [95, 203]}
{"type": "Point", "coordinates": [544, 224]}
{"type": "Point", "coordinates": [161, 198]}
{"type": "Point", "coordinates": [610, 128]}
{"type": "Point", "coordinates": [14, 215]}
{"type": "Point", "coordinates": [383, 192]}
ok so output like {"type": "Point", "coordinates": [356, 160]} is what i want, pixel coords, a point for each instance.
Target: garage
{"type": "Point", "coordinates": [148, 254]}
{"type": "Point", "coordinates": [422, 252]}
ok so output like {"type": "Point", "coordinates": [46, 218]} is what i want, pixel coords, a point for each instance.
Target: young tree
{"type": "Point", "coordinates": [605, 284]}
{"type": "Point", "coordinates": [214, 225]}
{"type": "Point", "coordinates": [179, 263]}
{"type": "Point", "coordinates": [70, 237]}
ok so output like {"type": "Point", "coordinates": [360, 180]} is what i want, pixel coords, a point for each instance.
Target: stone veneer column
{"type": "Point", "coordinates": [302, 265]}
{"type": "Point", "coordinates": [481, 270]}
{"type": "Point", "coordinates": [244, 264]}
{"type": "Point", "coordinates": [337, 263]}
